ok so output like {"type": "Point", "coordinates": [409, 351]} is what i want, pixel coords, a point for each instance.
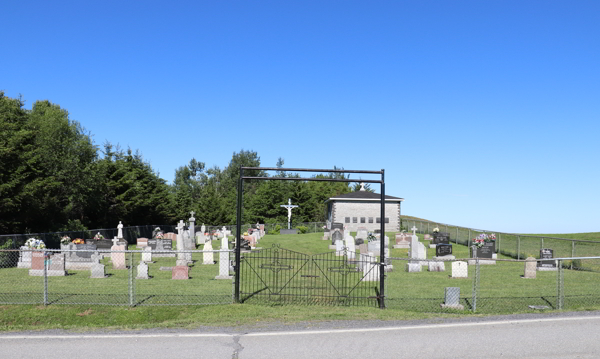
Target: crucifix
{"type": "Point", "coordinates": [289, 208]}
{"type": "Point", "coordinates": [414, 229]}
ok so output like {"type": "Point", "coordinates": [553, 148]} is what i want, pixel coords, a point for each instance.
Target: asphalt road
{"type": "Point", "coordinates": [568, 335]}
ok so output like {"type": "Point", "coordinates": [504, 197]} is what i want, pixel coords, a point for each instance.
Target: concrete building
{"type": "Point", "coordinates": [363, 209]}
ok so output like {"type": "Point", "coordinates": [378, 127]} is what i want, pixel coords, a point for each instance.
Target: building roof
{"type": "Point", "coordinates": [364, 196]}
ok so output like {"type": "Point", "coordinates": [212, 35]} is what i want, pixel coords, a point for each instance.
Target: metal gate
{"type": "Point", "coordinates": [280, 275]}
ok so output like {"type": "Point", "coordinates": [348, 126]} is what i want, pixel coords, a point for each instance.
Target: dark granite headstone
{"type": "Point", "coordinates": [87, 247]}
{"type": "Point", "coordinates": [441, 237]}
{"type": "Point", "coordinates": [336, 235]}
{"type": "Point", "coordinates": [443, 250]}
{"type": "Point", "coordinates": [546, 253]}
{"type": "Point", "coordinates": [337, 225]}
{"type": "Point", "coordinates": [487, 250]}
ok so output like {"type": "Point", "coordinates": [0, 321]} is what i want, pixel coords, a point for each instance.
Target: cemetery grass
{"type": "Point", "coordinates": [409, 295]}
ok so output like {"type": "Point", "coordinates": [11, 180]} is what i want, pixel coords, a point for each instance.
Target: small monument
{"type": "Point", "coordinates": [208, 255]}
{"type": "Point", "coordinates": [97, 270]}
{"type": "Point", "coordinates": [289, 208]}
{"type": "Point", "coordinates": [120, 230]}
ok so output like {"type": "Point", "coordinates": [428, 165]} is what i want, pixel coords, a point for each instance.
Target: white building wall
{"type": "Point", "coordinates": [366, 210]}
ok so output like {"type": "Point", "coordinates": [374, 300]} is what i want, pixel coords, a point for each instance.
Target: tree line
{"type": "Point", "coordinates": [54, 178]}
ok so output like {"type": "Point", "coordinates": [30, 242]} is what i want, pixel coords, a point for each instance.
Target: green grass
{"type": "Point", "coordinates": [408, 295]}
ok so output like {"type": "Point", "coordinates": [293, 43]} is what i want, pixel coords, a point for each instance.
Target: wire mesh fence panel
{"type": "Point", "coordinates": [421, 285]}
{"type": "Point", "coordinates": [508, 286]}
{"type": "Point", "coordinates": [581, 284]}
{"type": "Point", "coordinates": [115, 277]}
{"type": "Point", "coordinates": [17, 286]}
{"type": "Point", "coordinates": [160, 281]}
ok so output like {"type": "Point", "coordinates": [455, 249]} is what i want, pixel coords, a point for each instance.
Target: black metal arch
{"type": "Point", "coordinates": [239, 213]}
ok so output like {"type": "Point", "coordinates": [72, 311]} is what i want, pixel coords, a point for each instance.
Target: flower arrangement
{"type": "Point", "coordinates": [78, 241]}
{"type": "Point", "coordinates": [436, 230]}
{"type": "Point", "coordinates": [160, 235]}
{"type": "Point", "coordinates": [98, 236]}
{"type": "Point", "coordinates": [371, 237]}
{"type": "Point", "coordinates": [35, 243]}
{"type": "Point", "coordinates": [483, 238]}
{"type": "Point", "coordinates": [65, 240]}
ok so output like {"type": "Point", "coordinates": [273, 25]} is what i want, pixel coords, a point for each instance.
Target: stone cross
{"type": "Point", "coordinates": [289, 208]}
{"type": "Point", "coordinates": [192, 218]}
{"type": "Point", "coordinates": [414, 229]}
{"type": "Point", "coordinates": [115, 241]}
{"type": "Point", "coordinates": [180, 227]}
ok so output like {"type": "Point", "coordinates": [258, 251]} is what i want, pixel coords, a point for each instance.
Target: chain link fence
{"type": "Point", "coordinates": [104, 277]}
{"type": "Point", "coordinates": [517, 246]}
{"type": "Point", "coordinates": [498, 286]}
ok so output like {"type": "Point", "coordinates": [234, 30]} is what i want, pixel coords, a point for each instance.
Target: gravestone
{"type": "Point", "coordinates": [441, 237]}
{"type": "Point", "coordinates": [118, 258]}
{"type": "Point", "coordinates": [362, 233]}
{"type": "Point", "coordinates": [418, 253]}
{"type": "Point", "coordinates": [370, 268]}
{"type": "Point", "coordinates": [208, 257]}
{"type": "Point", "coordinates": [57, 265]}
{"type": "Point", "coordinates": [339, 247]}
{"type": "Point", "coordinates": [142, 242]}
{"type": "Point", "coordinates": [436, 266]}
{"type": "Point", "coordinates": [224, 260]}
{"type": "Point", "coordinates": [460, 269]}
{"type": "Point", "coordinates": [363, 248]}
{"type": "Point", "coordinates": [180, 272]}
{"type": "Point", "coordinates": [335, 236]}
{"type": "Point", "coordinates": [142, 271]}
{"type": "Point", "coordinates": [183, 258]}
{"type": "Point", "coordinates": [97, 270]}
{"type": "Point", "coordinates": [452, 298]}
{"type": "Point", "coordinates": [350, 246]}
{"type": "Point", "coordinates": [147, 255]}
{"type": "Point", "coordinates": [37, 260]}
{"type": "Point", "coordinates": [192, 231]}
{"type": "Point", "coordinates": [24, 257]}
{"type": "Point", "coordinates": [530, 268]}
{"type": "Point", "coordinates": [223, 266]}
{"type": "Point", "coordinates": [548, 264]}
{"type": "Point", "coordinates": [80, 260]}
{"type": "Point", "coordinates": [486, 251]}
{"type": "Point", "coordinates": [427, 237]}
{"type": "Point", "coordinates": [443, 252]}
{"type": "Point", "coordinates": [326, 234]}
{"type": "Point", "coordinates": [339, 226]}
{"type": "Point", "coordinates": [402, 241]}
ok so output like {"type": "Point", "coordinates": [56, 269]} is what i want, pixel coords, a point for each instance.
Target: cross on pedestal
{"type": "Point", "coordinates": [289, 208]}
{"type": "Point", "coordinates": [414, 229]}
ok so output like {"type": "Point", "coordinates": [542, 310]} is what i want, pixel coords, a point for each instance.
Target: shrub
{"type": "Point", "coordinates": [302, 229]}
{"type": "Point", "coordinates": [276, 230]}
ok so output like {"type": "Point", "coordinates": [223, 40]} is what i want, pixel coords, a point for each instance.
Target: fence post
{"type": "Point", "coordinates": [475, 285]}
{"type": "Point", "coordinates": [518, 247]}
{"type": "Point", "coordinates": [456, 241]}
{"type": "Point", "coordinates": [469, 239]}
{"type": "Point", "coordinates": [131, 296]}
{"type": "Point", "coordinates": [499, 237]}
{"type": "Point", "coordinates": [542, 243]}
{"type": "Point", "coordinates": [560, 295]}
{"type": "Point", "coordinates": [45, 280]}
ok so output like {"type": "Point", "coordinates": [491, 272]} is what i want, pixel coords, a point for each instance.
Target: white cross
{"type": "Point", "coordinates": [192, 213]}
{"type": "Point", "coordinates": [414, 229]}
{"type": "Point", "coordinates": [289, 208]}
{"type": "Point", "coordinates": [115, 241]}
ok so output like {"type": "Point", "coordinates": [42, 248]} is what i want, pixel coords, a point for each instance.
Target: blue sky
{"type": "Point", "coordinates": [483, 113]}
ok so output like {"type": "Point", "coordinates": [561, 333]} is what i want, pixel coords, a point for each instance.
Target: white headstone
{"type": "Point", "coordinates": [147, 254]}
{"type": "Point", "coordinates": [208, 257]}
{"type": "Point", "coordinates": [460, 269]}
{"type": "Point", "coordinates": [142, 271]}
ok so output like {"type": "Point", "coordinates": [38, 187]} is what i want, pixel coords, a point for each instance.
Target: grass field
{"type": "Point", "coordinates": [408, 295]}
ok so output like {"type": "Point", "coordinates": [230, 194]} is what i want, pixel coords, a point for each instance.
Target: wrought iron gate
{"type": "Point", "coordinates": [280, 275]}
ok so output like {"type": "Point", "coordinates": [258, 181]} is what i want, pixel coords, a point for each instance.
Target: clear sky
{"type": "Point", "coordinates": [483, 113]}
